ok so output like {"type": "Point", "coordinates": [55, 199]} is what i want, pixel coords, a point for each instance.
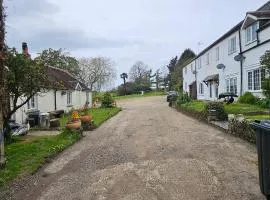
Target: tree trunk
{"type": "Point", "coordinates": [2, 82]}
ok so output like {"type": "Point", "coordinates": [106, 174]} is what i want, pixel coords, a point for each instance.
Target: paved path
{"type": "Point", "coordinates": [149, 151]}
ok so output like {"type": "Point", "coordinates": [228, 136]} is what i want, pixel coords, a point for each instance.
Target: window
{"type": "Point", "coordinates": [231, 85]}
{"type": "Point", "coordinates": [250, 81]}
{"type": "Point", "coordinates": [217, 53]}
{"type": "Point", "coordinates": [199, 63]}
{"type": "Point", "coordinates": [211, 91]}
{"type": "Point", "coordinates": [69, 98]}
{"type": "Point", "coordinates": [255, 78]}
{"type": "Point", "coordinates": [216, 90]}
{"type": "Point", "coordinates": [191, 67]}
{"type": "Point", "coordinates": [251, 33]}
{"type": "Point", "coordinates": [32, 103]}
{"type": "Point", "coordinates": [232, 45]}
{"type": "Point", "coordinates": [201, 88]}
{"type": "Point", "coordinates": [185, 70]}
{"type": "Point", "coordinates": [228, 85]}
{"type": "Point", "coordinates": [207, 59]}
{"type": "Point", "coordinates": [185, 86]}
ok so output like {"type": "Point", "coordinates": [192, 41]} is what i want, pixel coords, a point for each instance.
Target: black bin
{"type": "Point", "coordinates": [262, 129]}
{"type": "Point", "coordinates": [33, 117]}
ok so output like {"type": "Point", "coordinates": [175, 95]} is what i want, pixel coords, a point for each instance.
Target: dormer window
{"type": "Point", "coordinates": [251, 33]}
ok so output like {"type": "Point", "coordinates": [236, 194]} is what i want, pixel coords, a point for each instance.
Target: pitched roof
{"type": "Point", "coordinates": [260, 14]}
{"type": "Point", "coordinates": [263, 10]}
{"type": "Point", "coordinates": [61, 79]}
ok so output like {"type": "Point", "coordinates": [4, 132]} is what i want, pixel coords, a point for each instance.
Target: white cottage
{"type": "Point", "coordinates": [232, 62]}
{"type": "Point", "coordinates": [63, 92]}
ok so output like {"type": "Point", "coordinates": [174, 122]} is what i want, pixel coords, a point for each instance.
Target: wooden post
{"type": "Point", "coordinates": [2, 82]}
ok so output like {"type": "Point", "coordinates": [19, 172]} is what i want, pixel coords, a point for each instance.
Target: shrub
{"type": "Point", "coordinates": [107, 100]}
{"type": "Point", "coordinates": [182, 99]}
{"type": "Point", "coordinates": [264, 103]}
{"type": "Point", "coordinates": [248, 98]}
{"type": "Point", "coordinates": [219, 108]}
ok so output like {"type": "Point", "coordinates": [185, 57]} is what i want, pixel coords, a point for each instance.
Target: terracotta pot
{"type": "Point", "coordinates": [74, 125]}
{"type": "Point", "coordinates": [86, 118]}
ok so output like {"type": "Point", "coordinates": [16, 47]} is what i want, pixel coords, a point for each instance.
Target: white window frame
{"type": "Point", "coordinates": [232, 45]}
{"type": "Point", "coordinates": [69, 98]}
{"type": "Point", "coordinates": [32, 103]}
{"type": "Point", "coordinates": [251, 33]}
{"type": "Point", "coordinates": [231, 85]}
{"type": "Point", "coordinates": [253, 85]}
{"type": "Point", "coordinates": [217, 53]}
{"type": "Point", "coordinates": [201, 89]}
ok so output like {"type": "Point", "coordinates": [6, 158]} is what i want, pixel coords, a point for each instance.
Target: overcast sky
{"type": "Point", "coordinates": [152, 31]}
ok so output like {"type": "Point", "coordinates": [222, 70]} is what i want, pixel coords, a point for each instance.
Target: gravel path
{"type": "Point", "coordinates": [149, 151]}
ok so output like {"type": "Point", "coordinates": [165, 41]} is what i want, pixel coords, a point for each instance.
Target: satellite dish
{"type": "Point", "coordinates": [220, 66]}
{"type": "Point", "coordinates": [239, 57]}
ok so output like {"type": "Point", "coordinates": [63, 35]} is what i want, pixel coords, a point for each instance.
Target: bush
{"type": "Point", "coordinates": [219, 108]}
{"type": "Point", "coordinates": [182, 99]}
{"type": "Point", "coordinates": [107, 100]}
{"type": "Point", "coordinates": [248, 98]}
{"type": "Point", "coordinates": [264, 103]}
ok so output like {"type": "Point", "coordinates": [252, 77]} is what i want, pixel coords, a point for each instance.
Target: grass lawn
{"type": "Point", "coordinates": [147, 94]}
{"type": "Point", "coordinates": [235, 108]}
{"type": "Point", "coordinates": [99, 115]}
{"type": "Point", "coordinates": [258, 117]}
{"type": "Point", "coordinates": [28, 153]}
{"type": "Point", "coordinates": [194, 105]}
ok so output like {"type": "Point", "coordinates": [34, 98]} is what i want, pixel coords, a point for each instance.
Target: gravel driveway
{"type": "Point", "coordinates": [149, 151]}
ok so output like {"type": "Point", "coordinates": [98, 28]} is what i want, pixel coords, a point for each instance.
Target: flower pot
{"type": "Point", "coordinates": [74, 125]}
{"type": "Point", "coordinates": [86, 118]}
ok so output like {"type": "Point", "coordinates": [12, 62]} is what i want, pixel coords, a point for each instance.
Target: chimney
{"type": "Point", "coordinates": [25, 49]}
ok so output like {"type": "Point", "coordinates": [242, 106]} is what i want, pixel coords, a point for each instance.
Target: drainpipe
{"type": "Point", "coordinates": [55, 105]}
{"type": "Point", "coordinates": [241, 64]}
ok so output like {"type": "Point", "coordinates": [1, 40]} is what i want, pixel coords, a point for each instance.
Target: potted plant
{"type": "Point", "coordinates": [74, 122]}
{"type": "Point", "coordinates": [85, 115]}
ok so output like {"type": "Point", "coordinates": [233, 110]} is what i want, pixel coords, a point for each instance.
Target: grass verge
{"type": "Point", "coordinates": [235, 108]}
{"type": "Point", "coordinates": [29, 153]}
{"type": "Point", "coordinates": [147, 94]}
{"type": "Point", "coordinates": [99, 115]}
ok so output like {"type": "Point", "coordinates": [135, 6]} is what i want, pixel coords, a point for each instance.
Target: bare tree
{"type": "Point", "coordinates": [97, 72]}
{"type": "Point", "coordinates": [140, 75]}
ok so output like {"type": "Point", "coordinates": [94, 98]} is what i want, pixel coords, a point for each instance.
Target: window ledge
{"type": "Point", "coordinates": [250, 42]}
{"type": "Point", "coordinates": [230, 53]}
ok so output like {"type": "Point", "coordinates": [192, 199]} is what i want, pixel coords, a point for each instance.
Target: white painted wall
{"type": "Point", "coordinates": [232, 68]}
{"type": "Point", "coordinates": [252, 61]}
{"type": "Point", "coordinates": [45, 103]}
{"type": "Point", "coordinates": [188, 76]}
